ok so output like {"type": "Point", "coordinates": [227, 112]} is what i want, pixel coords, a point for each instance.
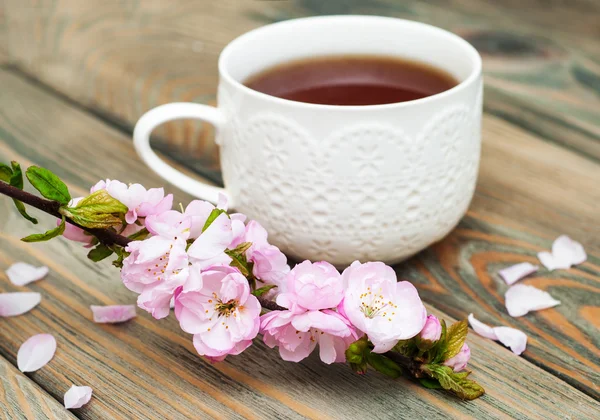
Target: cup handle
{"type": "Point", "coordinates": [175, 111]}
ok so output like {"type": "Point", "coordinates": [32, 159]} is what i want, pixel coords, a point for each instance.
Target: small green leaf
{"type": "Point", "coordinates": [384, 365]}
{"type": "Point", "coordinates": [261, 291]}
{"type": "Point", "coordinates": [241, 248]}
{"type": "Point", "coordinates": [457, 334]}
{"type": "Point", "coordinates": [139, 236]}
{"type": "Point", "coordinates": [5, 172]}
{"type": "Point", "coordinates": [121, 255]}
{"type": "Point", "coordinates": [212, 217]}
{"type": "Point", "coordinates": [21, 207]}
{"type": "Point", "coordinates": [98, 210]}
{"type": "Point", "coordinates": [406, 348]}
{"type": "Point", "coordinates": [48, 184]}
{"type": "Point", "coordinates": [430, 383]}
{"type": "Point", "coordinates": [46, 236]}
{"type": "Point", "coordinates": [16, 180]}
{"type": "Point", "coordinates": [99, 253]}
{"type": "Point", "coordinates": [424, 345]}
{"type": "Point", "coordinates": [240, 262]}
{"type": "Point", "coordinates": [457, 383]}
{"type": "Point", "coordinates": [101, 202]}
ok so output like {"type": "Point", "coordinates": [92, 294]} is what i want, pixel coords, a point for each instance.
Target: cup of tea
{"type": "Point", "coordinates": [347, 137]}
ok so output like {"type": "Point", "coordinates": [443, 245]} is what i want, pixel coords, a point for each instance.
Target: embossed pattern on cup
{"type": "Point", "coordinates": [398, 191]}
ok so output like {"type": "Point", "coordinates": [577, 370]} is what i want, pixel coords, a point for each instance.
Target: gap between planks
{"type": "Point", "coordinates": [22, 398]}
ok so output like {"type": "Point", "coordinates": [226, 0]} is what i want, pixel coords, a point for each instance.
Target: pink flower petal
{"type": "Point", "coordinates": [77, 396]}
{"type": "Point", "coordinates": [520, 299]}
{"type": "Point", "coordinates": [36, 352]}
{"type": "Point", "coordinates": [516, 272]}
{"type": "Point", "coordinates": [222, 202]}
{"type": "Point", "coordinates": [482, 329]}
{"type": "Point", "coordinates": [214, 240]}
{"type": "Point", "coordinates": [515, 339]}
{"type": "Point", "coordinates": [565, 253]}
{"type": "Point", "coordinates": [21, 274]}
{"type": "Point", "coordinates": [113, 314]}
{"type": "Point", "coordinates": [547, 260]}
{"type": "Point", "coordinates": [510, 337]}
{"type": "Point", "coordinates": [13, 304]}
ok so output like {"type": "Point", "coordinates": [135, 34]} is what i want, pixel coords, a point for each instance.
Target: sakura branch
{"type": "Point", "coordinates": [221, 272]}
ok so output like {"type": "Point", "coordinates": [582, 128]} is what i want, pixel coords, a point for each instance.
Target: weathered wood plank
{"type": "Point", "coordinates": [118, 57]}
{"type": "Point", "coordinates": [21, 398]}
{"type": "Point", "coordinates": [3, 34]}
{"type": "Point", "coordinates": [147, 368]}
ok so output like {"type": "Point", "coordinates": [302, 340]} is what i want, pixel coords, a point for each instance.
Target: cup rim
{"type": "Point", "coordinates": [471, 51]}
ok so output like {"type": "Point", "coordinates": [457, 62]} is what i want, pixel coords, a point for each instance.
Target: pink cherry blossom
{"type": "Point", "coordinates": [297, 335]}
{"type": "Point", "coordinates": [459, 362]}
{"type": "Point", "coordinates": [312, 286]}
{"type": "Point", "coordinates": [210, 244]}
{"type": "Point", "coordinates": [219, 355]}
{"type": "Point", "coordinates": [432, 330]}
{"type": "Point", "coordinates": [199, 211]}
{"type": "Point", "coordinates": [156, 298]}
{"type": "Point", "coordinates": [270, 264]}
{"type": "Point", "coordinates": [376, 304]}
{"type": "Point", "coordinates": [238, 228]}
{"type": "Point", "coordinates": [158, 265]}
{"type": "Point", "coordinates": [216, 306]}
{"type": "Point", "coordinates": [139, 201]}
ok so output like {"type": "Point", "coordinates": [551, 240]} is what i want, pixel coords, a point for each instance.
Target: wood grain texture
{"type": "Point", "coordinates": [3, 34]}
{"type": "Point", "coordinates": [147, 368]}
{"type": "Point", "coordinates": [21, 398]}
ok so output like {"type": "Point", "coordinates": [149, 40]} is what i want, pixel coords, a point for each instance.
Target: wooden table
{"type": "Point", "coordinates": [76, 75]}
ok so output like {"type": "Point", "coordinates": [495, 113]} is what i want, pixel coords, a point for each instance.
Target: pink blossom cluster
{"type": "Point", "coordinates": [331, 309]}
{"type": "Point", "coordinates": [186, 258]}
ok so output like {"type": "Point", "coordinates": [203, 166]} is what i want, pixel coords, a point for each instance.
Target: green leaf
{"type": "Point", "coordinates": [5, 172]}
{"type": "Point", "coordinates": [457, 334]}
{"type": "Point", "coordinates": [261, 291]}
{"type": "Point", "coordinates": [241, 248]}
{"type": "Point", "coordinates": [212, 217]}
{"type": "Point", "coordinates": [139, 236]}
{"type": "Point", "coordinates": [240, 262]}
{"type": "Point", "coordinates": [99, 253]}
{"type": "Point", "coordinates": [21, 207]}
{"type": "Point", "coordinates": [48, 184]}
{"type": "Point", "coordinates": [457, 383]}
{"type": "Point", "coordinates": [384, 365]}
{"type": "Point", "coordinates": [16, 180]}
{"type": "Point", "coordinates": [46, 236]}
{"type": "Point", "coordinates": [430, 383]}
{"type": "Point", "coordinates": [121, 255]}
{"type": "Point", "coordinates": [406, 348]}
{"type": "Point", "coordinates": [98, 210]}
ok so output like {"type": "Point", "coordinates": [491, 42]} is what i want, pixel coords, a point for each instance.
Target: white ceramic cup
{"type": "Point", "coordinates": [340, 183]}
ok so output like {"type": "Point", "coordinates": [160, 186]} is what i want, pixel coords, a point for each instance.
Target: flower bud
{"type": "Point", "coordinates": [432, 329]}
{"type": "Point", "coordinates": [459, 362]}
{"type": "Point", "coordinates": [356, 355]}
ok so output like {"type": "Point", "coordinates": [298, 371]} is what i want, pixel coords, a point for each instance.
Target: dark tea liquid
{"type": "Point", "coordinates": [352, 80]}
